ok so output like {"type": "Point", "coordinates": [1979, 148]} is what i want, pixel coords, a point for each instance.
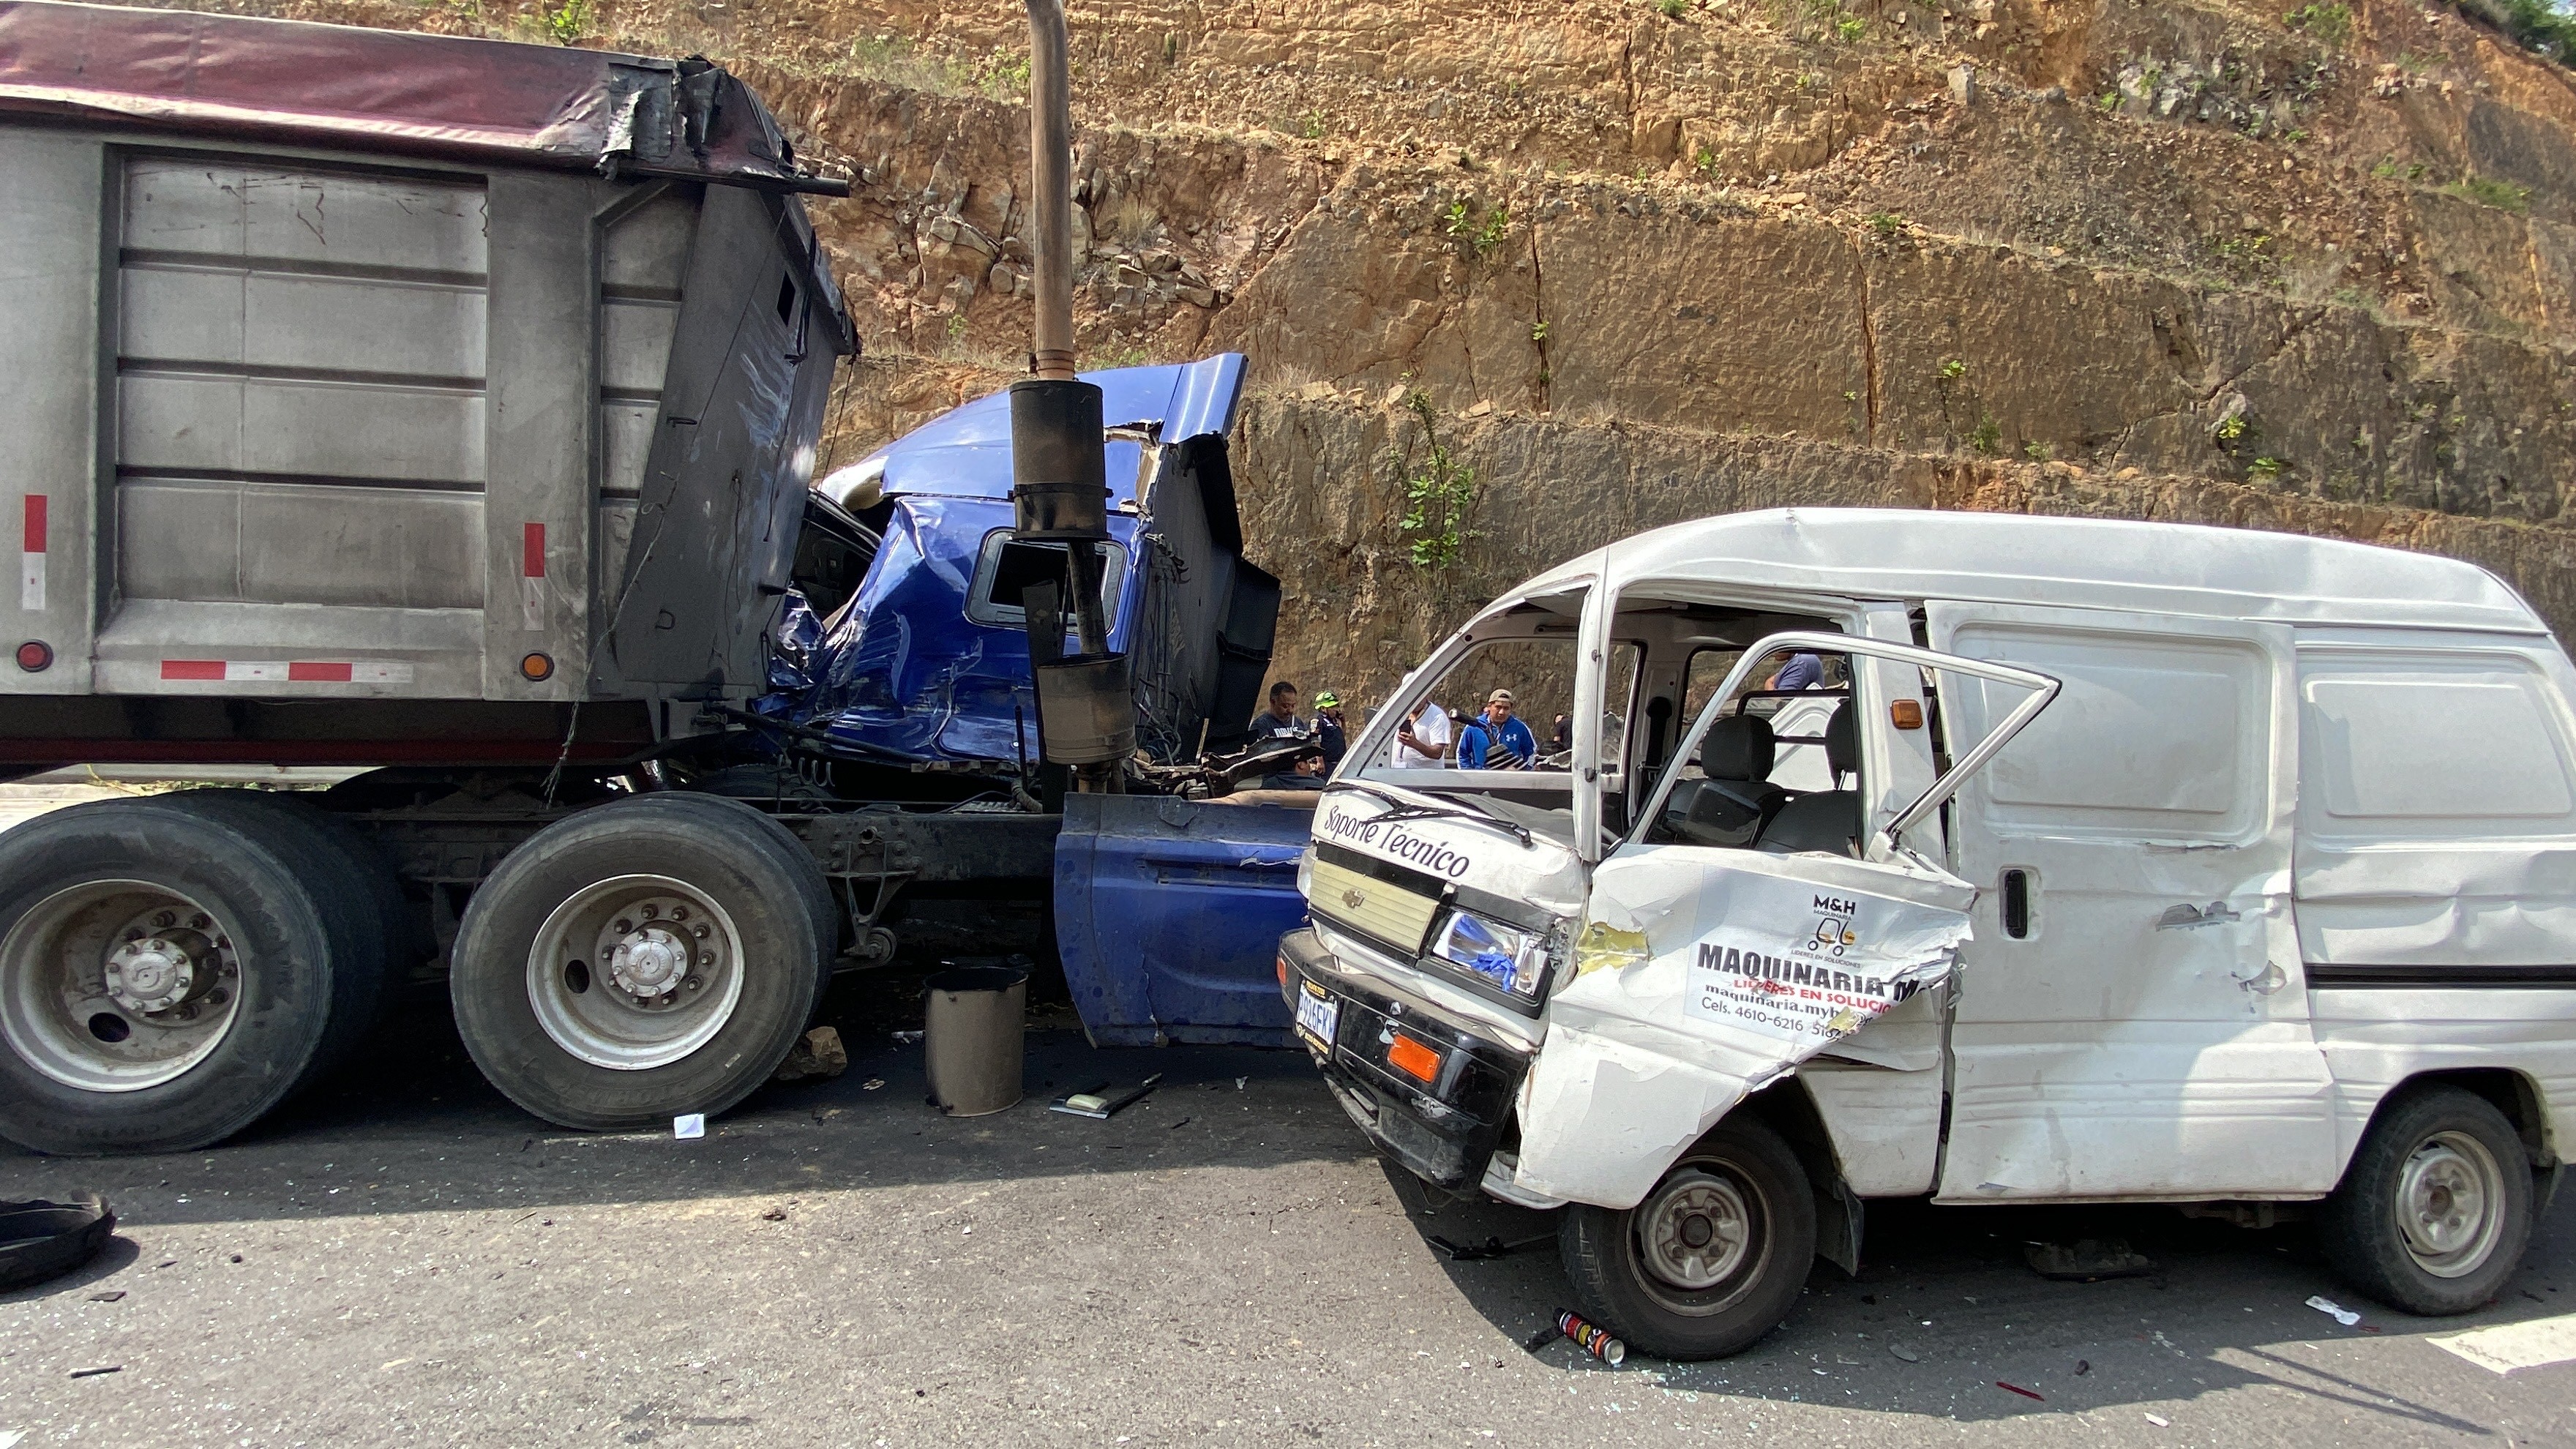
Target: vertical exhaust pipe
{"type": "Point", "coordinates": [1051, 187]}
{"type": "Point", "coordinates": [1059, 474]}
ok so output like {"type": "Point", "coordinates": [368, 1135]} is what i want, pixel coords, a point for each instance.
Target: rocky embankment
{"type": "Point", "coordinates": [1584, 266]}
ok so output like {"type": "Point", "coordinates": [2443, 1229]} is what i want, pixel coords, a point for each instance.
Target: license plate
{"type": "Point", "coordinates": [1317, 1015]}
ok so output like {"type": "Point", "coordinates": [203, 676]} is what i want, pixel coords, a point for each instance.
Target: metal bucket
{"type": "Point", "coordinates": [973, 1032]}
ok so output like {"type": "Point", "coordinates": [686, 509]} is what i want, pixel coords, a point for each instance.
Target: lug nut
{"type": "Point", "coordinates": [166, 918]}
{"type": "Point", "coordinates": [699, 930]}
{"type": "Point", "coordinates": [199, 922]}
{"type": "Point", "coordinates": [679, 913]}
{"type": "Point", "coordinates": [218, 996]}
{"type": "Point", "coordinates": [623, 926]}
{"type": "Point", "coordinates": [651, 910]}
{"type": "Point", "coordinates": [133, 936]}
{"type": "Point", "coordinates": [693, 983]}
{"type": "Point", "coordinates": [706, 958]}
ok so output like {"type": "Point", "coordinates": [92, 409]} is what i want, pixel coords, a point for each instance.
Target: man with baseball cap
{"type": "Point", "coordinates": [1497, 740]}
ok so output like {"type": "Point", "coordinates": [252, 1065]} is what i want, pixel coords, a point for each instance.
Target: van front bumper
{"type": "Point", "coordinates": [1444, 1126]}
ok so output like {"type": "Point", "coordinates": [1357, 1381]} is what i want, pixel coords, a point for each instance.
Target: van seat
{"type": "Point", "coordinates": [1826, 820]}
{"type": "Point", "coordinates": [1730, 807]}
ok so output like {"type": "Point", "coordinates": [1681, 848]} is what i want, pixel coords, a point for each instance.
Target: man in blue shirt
{"type": "Point", "coordinates": [1803, 671]}
{"type": "Point", "coordinates": [1497, 741]}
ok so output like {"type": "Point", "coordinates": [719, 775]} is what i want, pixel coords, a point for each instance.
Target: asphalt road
{"type": "Point", "coordinates": [403, 1257]}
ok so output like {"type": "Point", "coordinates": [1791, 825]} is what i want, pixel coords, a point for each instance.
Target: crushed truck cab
{"type": "Point", "coordinates": [2089, 862]}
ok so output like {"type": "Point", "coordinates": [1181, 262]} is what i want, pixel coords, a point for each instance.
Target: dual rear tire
{"type": "Point", "coordinates": [174, 967]}
{"type": "Point", "coordinates": [643, 959]}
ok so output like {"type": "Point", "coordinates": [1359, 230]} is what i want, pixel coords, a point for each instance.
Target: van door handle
{"type": "Point", "coordinates": [2185, 917]}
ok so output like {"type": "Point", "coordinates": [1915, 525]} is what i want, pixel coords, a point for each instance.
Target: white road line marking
{"type": "Point", "coordinates": [2511, 1346]}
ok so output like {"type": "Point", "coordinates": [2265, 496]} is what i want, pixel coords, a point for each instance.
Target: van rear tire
{"type": "Point", "coordinates": [1712, 1260]}
{"type": "Point", "coordinates": [641, 960]}
{"type": "Point", "coordinates": [2434, 1213]}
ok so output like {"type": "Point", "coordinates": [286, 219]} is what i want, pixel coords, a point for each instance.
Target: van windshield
{"type": "Point", "coordinates": [1497, 724]}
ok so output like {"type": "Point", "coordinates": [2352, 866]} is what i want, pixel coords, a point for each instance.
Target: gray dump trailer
{"type": "Point", "coordinates": [442, 410]}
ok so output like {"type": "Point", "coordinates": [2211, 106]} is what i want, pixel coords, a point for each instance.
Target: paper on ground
{"type": "Point", "coordinates": [692, 1125]}
{"type": "Point", "coordinates": [2510, 1346]}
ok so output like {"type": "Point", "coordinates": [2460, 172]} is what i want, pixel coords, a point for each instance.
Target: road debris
{"type": "Point", "coordinates": [2160, 1421]}
{"type": "Point", "coordinates": [1491, 1247]}
{"type": "Point", "coordinates": [91, 1373]}
{"type": "Point", "coordinates": [41, 1239]}
{"type": "Point", "coordinates": [907, 1038]}
{"type": "Point", "coordinates": [2086, 1260]}
{"type": "Point", "coordinates": [817, 1056]}
{"type": "Point", "coordinates": [2031, 1394]}
{"type": "Point", "coordinates": [1098, 1102]}
{"type": "Point", "coordinates": [872, 1084]}
{"type": "Point", "coordinates": [688, 1125]}
{"type": "Point", "coordinates": [774, 1215]}
{"type": "Point", "coordinates": [113, 1295]}
{"type": "Point", "coordinates": [1592, 1338]}
{"type": "Point", "coordinates": [1906, 1354]}
{"type": "Point", "coordinates": [2335, 1311]}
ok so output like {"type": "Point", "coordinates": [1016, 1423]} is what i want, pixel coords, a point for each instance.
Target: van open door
{"type": "Point", "coordinates": [1705, 970]}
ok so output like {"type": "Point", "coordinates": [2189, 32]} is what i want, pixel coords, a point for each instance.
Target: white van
{"type": "Point", "coordinates": [2100, 862]}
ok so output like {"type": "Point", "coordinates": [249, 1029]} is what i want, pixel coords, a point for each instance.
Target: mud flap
{"type": "Point", "coordinates": [1169, 913]}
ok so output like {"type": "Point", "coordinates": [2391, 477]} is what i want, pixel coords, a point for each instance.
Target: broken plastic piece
{"type": "Point", "coordinates": [2334, 1310]}
{"type": "Point", "coordinates": [2018, 1389]}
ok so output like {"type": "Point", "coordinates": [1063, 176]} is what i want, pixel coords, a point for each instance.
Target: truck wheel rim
{"type": "Point", "coordinates": [635, 972]}
{"type": "Point", "coordinates": [2450, 1204]}
{"type": "Point", "coordinates": [1700, 1237]}
{"type": "Point", "coordinates": [118, 985]}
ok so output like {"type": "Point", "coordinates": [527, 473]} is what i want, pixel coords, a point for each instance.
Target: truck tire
{"type": "Point", "coordinates": [350, 876]}
{"type": "Point", "coordinates": [810, 883]}
{"type": "Point", "coordinates": [1713, 1258]}
{"type": "Point", "coordinates": [165, 977]}
{"type": "Point", "coordinates": [640, 960]}
{"type": "Point", "coordinates": [2434, 1213]}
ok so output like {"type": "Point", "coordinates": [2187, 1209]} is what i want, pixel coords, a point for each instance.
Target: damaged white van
{"type": "Point", "coordinates": [1995, 858]}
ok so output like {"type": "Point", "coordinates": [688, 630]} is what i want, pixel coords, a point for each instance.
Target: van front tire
{"type": "Point", "coordinates": [1714, 1257]}
{"type": "Point", "coordinates": [2434, 1213]}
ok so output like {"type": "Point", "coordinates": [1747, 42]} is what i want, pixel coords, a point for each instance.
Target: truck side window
{"type": "Point", "coordinates": [1006, 568]}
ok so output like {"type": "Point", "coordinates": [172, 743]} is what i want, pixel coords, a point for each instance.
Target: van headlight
{"type": "Point", "coordinates": [1513, 958]}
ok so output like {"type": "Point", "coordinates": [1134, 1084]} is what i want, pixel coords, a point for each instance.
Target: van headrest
{"type": "Point", "coordinates": [1842, 741]}
{"type": "Point", "coordinates": [1739, 747]}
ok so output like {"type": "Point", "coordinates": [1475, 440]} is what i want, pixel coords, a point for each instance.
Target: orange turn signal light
{"type": "Point", "coordinates": [1283, 973]}
{"type": "Point", "coordinates": [1906, 714]}
{"type": "Point", "coordinates": [1412, 1058]}
{"type": "Point", "coordinates": [537, 666]}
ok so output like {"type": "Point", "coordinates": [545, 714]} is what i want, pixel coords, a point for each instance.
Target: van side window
{"type": "Point", "coordinates": [2386, 741]}
{"type": "Point", "coordinates": [2155, 737]}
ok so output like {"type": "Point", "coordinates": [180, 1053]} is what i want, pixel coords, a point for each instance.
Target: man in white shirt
{"type": "Point", "coordinates": [1422, 741]}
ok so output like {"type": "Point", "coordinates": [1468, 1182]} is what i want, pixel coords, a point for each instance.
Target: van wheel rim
{"type": "Point", "coordinates": [2450, 1204]}
{"type": "Point", "coordinates": [1696, 1231]}
{"type": "Point", "coordinates": [635, 972]}
{"type": "Point", "coordinates": [118, 985]}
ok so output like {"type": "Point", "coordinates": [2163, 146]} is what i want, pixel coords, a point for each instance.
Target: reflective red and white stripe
{"type": "Point", "coordinates": [532, 575]}
{"type": "Point", "coordinates": [31, 556]}
{"type": "Point", "coordinates": [285, 671]}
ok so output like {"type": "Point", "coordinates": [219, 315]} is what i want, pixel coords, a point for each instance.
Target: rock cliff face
{"type": "Point", "coordinates": [1630, 261]}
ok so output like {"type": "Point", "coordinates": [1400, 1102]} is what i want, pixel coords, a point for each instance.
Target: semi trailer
{"type": "Point", "coordinates": [446, 411]}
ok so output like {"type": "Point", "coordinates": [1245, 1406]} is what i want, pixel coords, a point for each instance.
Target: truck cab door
{"type": "Point", "coordinates": [2131, 1021]}
{"type": "Point", "coordinates": [1168, 914]}
{"type": "Point", "coordinates": [1705, 971]}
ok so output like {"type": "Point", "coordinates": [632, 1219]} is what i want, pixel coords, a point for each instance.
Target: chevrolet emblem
{"type": "Point", "coordinates": [1353, 899]}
